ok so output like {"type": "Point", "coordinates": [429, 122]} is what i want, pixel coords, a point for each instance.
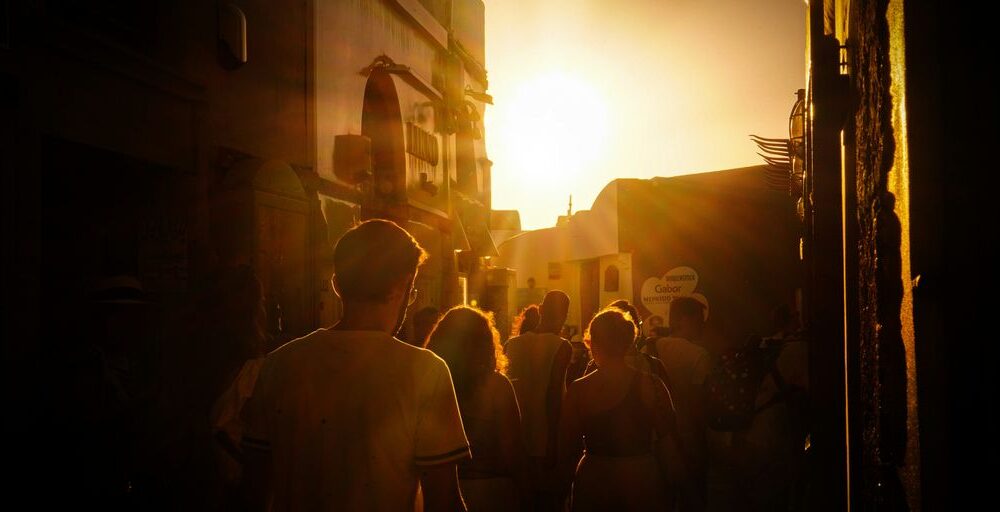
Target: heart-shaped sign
{"type": "Point", "coordinates": [657, 292]}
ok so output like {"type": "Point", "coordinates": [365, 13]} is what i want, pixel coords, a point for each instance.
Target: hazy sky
{"type": "Point", "coordinates": [591, 90]}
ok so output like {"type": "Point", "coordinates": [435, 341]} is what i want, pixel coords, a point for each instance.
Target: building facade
{"type": "Point", "coordinates": [724, 237]}
{"type": "Point", "coordinates": [244, 132]}
{"type": "Point", "coordinates": [893, 216]}
{"type": "Point", "coordinates": [170, 141]}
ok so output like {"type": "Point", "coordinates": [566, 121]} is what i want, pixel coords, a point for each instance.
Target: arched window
{"type": "Point", "coordinates": [611, 278]}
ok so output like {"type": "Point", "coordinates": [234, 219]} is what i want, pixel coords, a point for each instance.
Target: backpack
{"type": "Point", "coordinates": [648, 345]}
{"type": "Point", "coordinates": [731, 387]}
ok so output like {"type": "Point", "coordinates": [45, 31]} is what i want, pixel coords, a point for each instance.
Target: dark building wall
{"type": "Point", "coordinates": [262, 107]}
{"type": "Point", "coordinates": [114, 114]}
{"type": "Point", "coordinates": [952, 111]}
{"type": "Point", "coordinates": [738, 234]}
{"type": "Point", "coordinates": [918, 134]}
{"type": "Point", "coordinates": [147, 85]}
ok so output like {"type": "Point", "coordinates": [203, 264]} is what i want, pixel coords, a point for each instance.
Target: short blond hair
{"type": "Point", "coordinates": [372, 258]}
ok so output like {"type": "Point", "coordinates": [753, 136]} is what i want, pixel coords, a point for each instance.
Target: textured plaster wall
{"type": "Point", "coordinates": [890, 473]}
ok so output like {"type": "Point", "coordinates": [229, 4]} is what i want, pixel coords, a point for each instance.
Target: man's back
{"type": "Point", "coordinates": [686, 362]}
{"type": "Point", "coordinates": [531, 359]}
{"type": "Point", "coordinates": [686, 365]}
{"type": "Point", "coordinates": [349, 417]}
{"type": "Point", "coordinates": [773, 428]}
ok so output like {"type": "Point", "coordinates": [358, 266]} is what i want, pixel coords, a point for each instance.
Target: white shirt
{"type": "Point", "coordinates": [350, 416]}
{"type": "Point", "coordinates": [687, 365]}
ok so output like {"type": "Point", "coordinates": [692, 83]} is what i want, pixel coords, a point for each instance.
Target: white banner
{"type": "Point", "coordinates": [658, 292]}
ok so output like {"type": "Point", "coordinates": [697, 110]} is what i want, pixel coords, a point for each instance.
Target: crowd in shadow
{"type": "Point", "coordinates": [672, 413]}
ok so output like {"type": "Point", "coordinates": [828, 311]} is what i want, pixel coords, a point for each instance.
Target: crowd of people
{"type": "Point", "coordinates": [670, 414]}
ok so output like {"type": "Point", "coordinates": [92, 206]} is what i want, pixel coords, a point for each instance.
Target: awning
{"type": "Point", "coordinates": [490, 247]}
{"type": "Point", "coordinates": [459, 240]}
{"type": "Point", "coordinates": [475, 238]}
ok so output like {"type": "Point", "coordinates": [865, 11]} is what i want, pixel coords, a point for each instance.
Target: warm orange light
{"type": "Point", "coordinates": [589, 91]}
{"type": "Point", "coordinates": [553, 126]}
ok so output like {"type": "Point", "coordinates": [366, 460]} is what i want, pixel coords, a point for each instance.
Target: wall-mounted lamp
{"type": "Point", "coordinates": [468, 119]}
{"type": "Point", "coordinates": [232, 39]}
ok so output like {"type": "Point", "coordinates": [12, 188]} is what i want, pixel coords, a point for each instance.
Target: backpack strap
{"type": "Point", "coordinates": [783, 391]}
{"type": "Point", "coordinates": [656, 368]}
{"type": "Point", "coordinates": [654, 349]}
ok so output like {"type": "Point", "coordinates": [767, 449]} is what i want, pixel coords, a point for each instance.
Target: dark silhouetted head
{"type": "Point", "coordinates": [652, 324]}
{"type": "Point", "coordinates": [610, 334]}
{"type": "Point", "coordinates": [687, 318]}
{"type": "Point", "coordinates": [375, 264]}
{"type": "Point", "coordinates": [467, 339]}
{"type": "Point", "coordinates": [627, 307]}
{"type": "Point", "coordinates": [372, 259]}
{"type": "Point", "coordinates": [529, 319]}
{"type": "Point", "coordinates": [552, 312]}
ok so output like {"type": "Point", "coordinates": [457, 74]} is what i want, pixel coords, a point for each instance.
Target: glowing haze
{"type": "Point", "coordinates": [587, 91]}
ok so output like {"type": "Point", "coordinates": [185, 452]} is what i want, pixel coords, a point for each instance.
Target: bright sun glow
{"type": "Point", "coordinates": [587, 91]}
{"type": "Point", "coordinates": [553, 127]}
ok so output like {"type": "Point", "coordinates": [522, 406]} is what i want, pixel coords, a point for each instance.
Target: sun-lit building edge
{"type": "Point", "coordinates": [645, 241]}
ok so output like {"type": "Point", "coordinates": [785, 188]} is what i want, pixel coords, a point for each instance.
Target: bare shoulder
{"type": "Point", "coordinates": [561, 344]}
{"type": "Point", "coordinates": [296, 351]}
{"type": "Point", "coordinates": [501, 390]}
{"type": "Point", "coordinates": [652, 387]}
{"type": "Point", "coordinates": [499, 383]}
{"type": "Point", "coordinates": [414, 353]}
{"type": "Point", "coordinates": [585, 381]}
{"type": "Point", "coordinates": [583, 385]}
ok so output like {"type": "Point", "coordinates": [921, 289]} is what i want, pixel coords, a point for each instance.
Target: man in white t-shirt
{"type": "Point", "coordinates": [686, 364]}
{"type": "Point", "coordinates": [349, 417]}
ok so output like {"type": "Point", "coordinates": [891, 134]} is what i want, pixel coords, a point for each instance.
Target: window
{"type": "Point", "coordinates": [555, 270]}
{"type": "Point", "coordinates": [611, 277]}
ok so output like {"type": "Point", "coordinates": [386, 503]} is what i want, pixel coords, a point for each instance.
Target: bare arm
{"type": "Point", "coordinates": [554, 398]}
{"type": "Point", "coordinates": [570, 435]}
{"type": "Point", "coordinates": [440, 487]}
{"type": "Point", "coordinates": [675, 458]}
{"type": "Point", "coordinates": [512, 446]}
{"type": "Point", "coordinates": [657, 400]}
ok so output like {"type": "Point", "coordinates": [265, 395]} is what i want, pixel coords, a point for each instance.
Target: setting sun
{"type": "Point", "coordinates": [587, 91]}
{"type": "Point", "coordinates": [551, 127]}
